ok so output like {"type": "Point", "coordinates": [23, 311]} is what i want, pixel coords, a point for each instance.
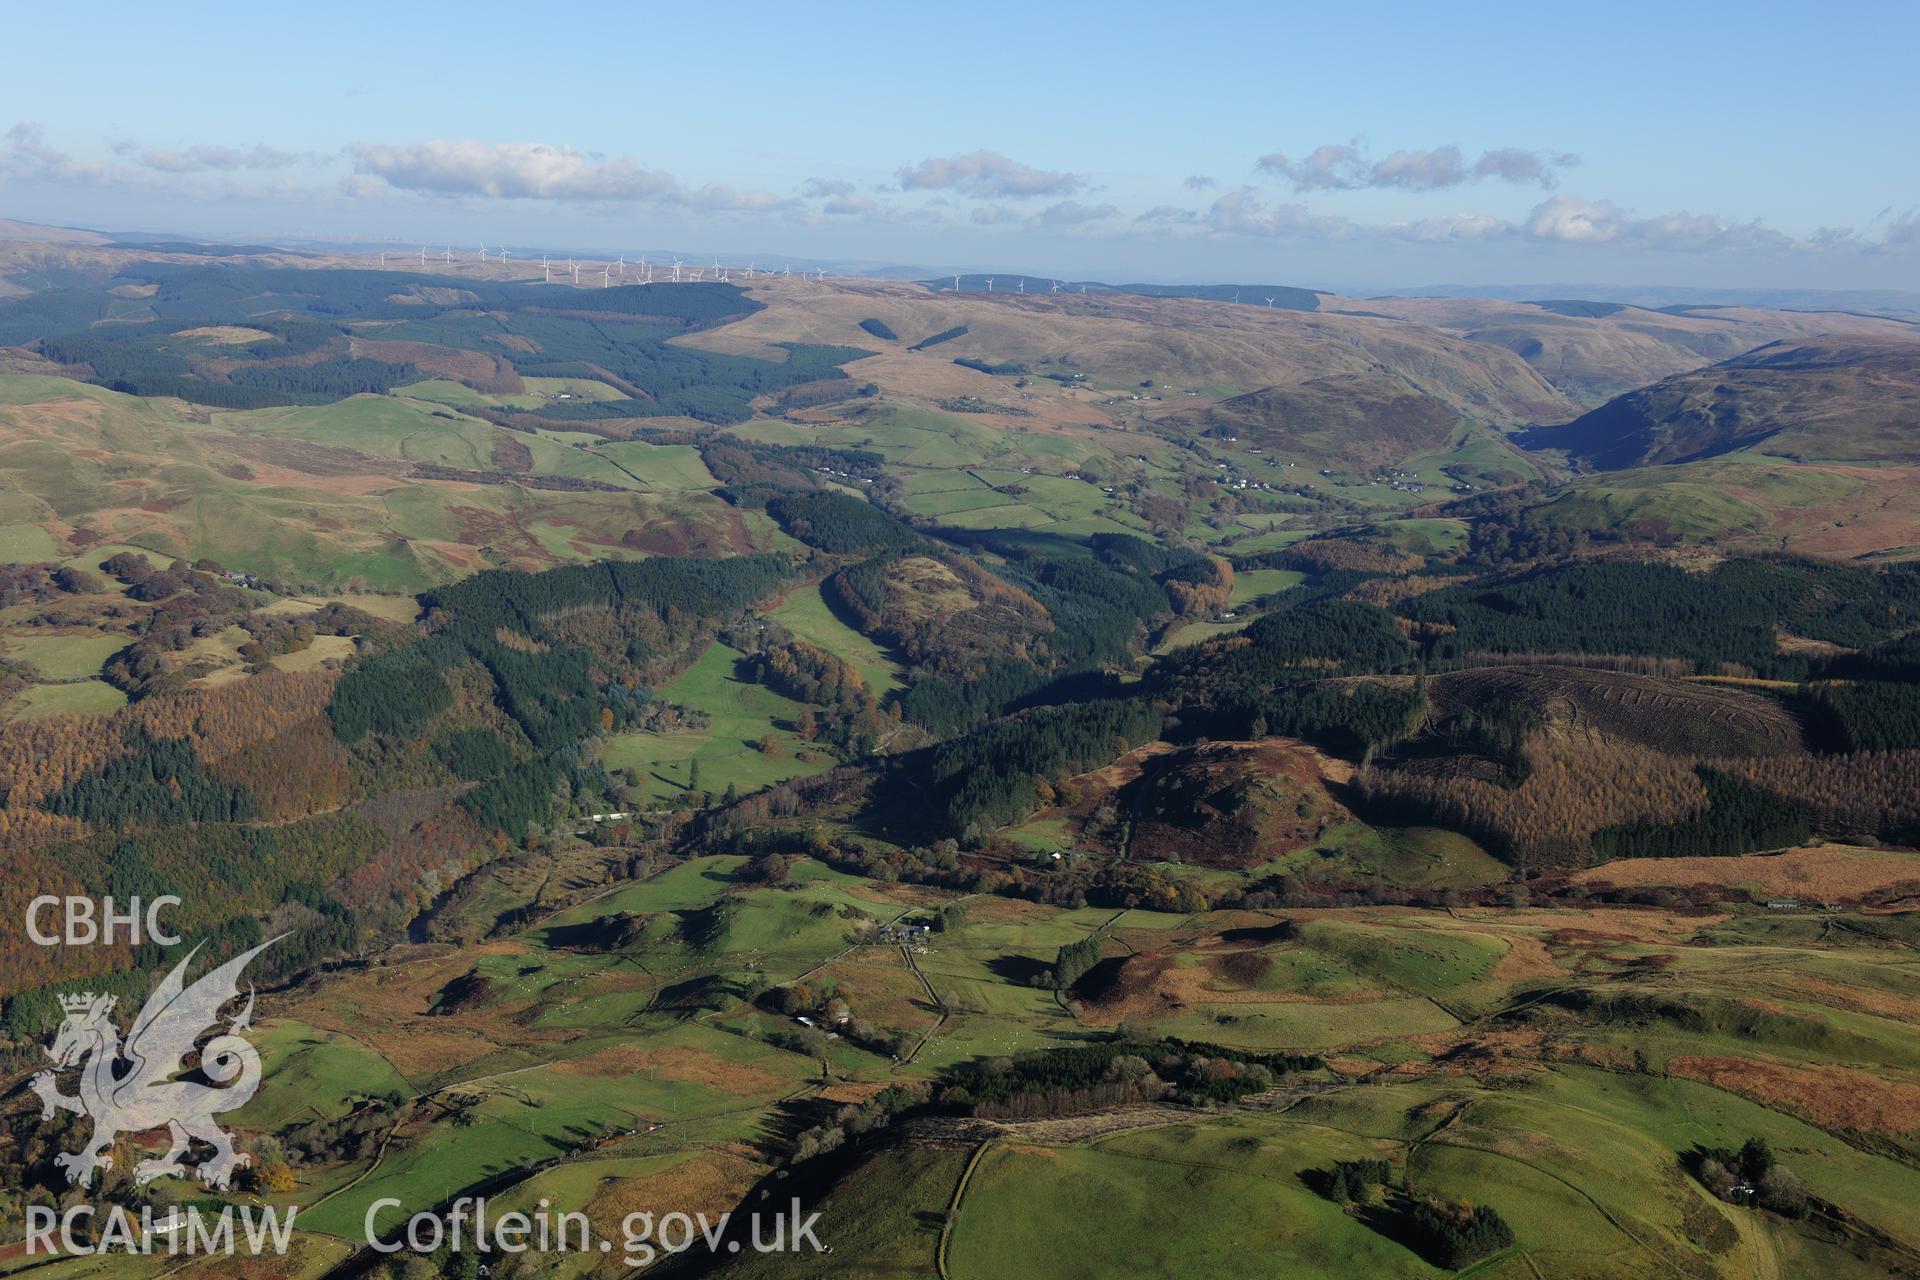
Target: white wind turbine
{"type": "Point", "coordinates": [749, 271]}
{"type": "Point", "coordinates": [989, 284]}
{"type": "Point", "coordinates": [956, 282]}
{"type": "Point", "coordinates": [1269, 302]}
{"type": "Point", "coordinates": [449, 255]}
{"type": "Point", "coordinates": [789, 271]}
{"type": "Point", "coordinates": [575, 268]}
{"type": "Point", "coordinates": [1056, 287]}
{"type": "Point", "coordinates": [547, 268]}
{"type": "Point", "coordinates": [676, 271]}
{"type": "Point", "coordinates": [503, 255]}
{"type": "Point", "coordinates": [623, 266]}
{"type": "Point", "coordinates": [606, 277]}
{"type": "Point", "coordinates": [1023, 285]}
{"type": "Point", "coordinates": [423, 257]}
{"type": "Point", "coordinates": [383, 260]}
{"type": "Point", "coordinates": [483, 251]}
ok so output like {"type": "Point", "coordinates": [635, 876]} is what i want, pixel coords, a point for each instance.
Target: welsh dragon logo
{"type": "Point", "coordinates": [144, 1096]}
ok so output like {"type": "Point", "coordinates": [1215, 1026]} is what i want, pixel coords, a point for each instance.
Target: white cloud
{"type": "Point", "coordinates": [1510, 164]}
{"type": "Point", "coordinates": [718, 197]}
{"type": "Point", "coordinates": [27, 155]}
{"type": "Point", "coordinates": [1325, 168]}
{"type": "Point", "coordinates": [1242, 213]}
{"type": "Point", "coordinates": [1343, 167]}
{"type": "Point", "coordinates": [1572, 220]}
{"type": "Point", "coordinates": [848, 205]}
{"type": "Point", "coordinates": [988, 175]}
{"type": "Point", "coordinates": [1904, 231]}
{"type": "Point", "coordinates": [1454, 226]}
{"type": "Point", "coordinates": [988, 188]}
{"type": "Point", "coordinates": [540, 171]}
{"type": "Point", "coordinates": [508, 170]}
{"type": "Point", "coordinates": [1071, 213]}
{"type": "Point", "coordinates": [200, 159]}
{"type": "Point", "coordinates": [1168, 215]}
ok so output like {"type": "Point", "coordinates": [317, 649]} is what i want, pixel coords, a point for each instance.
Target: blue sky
{"type": "Point", "coordinates": [1346, 146]}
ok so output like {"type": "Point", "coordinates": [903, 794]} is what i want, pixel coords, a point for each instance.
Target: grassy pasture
{"type": "Point", "coordinates": [385, 427]}
{"type": "Point", "coordinates": [1128, 1205]}
{"type": "Point", "coordinates": [64, 657]}
{"type": "Point", "coordinates": [742, 714]}
{"type": "Point", "coordinates": [888, 1216]}
{"type": "Point", "coordinates": [27, 544]}
{"type": "Point", "coordinates": [1580, 1163]}
{"type": "Point", "coordinates": [314, 1073]}
{"type": "Point", "coordinates": [661, 467]}
{"type": "Point", "coordinates": [1251, 584]}
{"type": "Point", "coordinates": [1426, 536]}
{"type": "Point", "coordinates": [1190, 633]}
{"type": "Point", "coordinates": [80, 698]}
{"type": "Point", "coordinates": [805, 612]}
{"type": "Point", "coordinates": [1429, 962]}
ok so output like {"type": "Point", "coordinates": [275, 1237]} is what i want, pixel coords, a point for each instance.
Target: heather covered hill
{"type": "Point", "coordinates": [1230, 805]}
{"type": "Point", "coordinates": [1834, 399]}
{"type": "Point", "coordinates": [1354, 420]}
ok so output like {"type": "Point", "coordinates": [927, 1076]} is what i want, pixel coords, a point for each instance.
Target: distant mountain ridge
{"type": "Point", "coordinates": [1286, 296]}
{"type": "Point", "coordinates": [1866, 301]}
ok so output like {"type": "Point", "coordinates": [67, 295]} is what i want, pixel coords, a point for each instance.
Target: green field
{"type": "Point", "coordinates": [1248, 585]}
{"type": "Point", "coordinates": [1251, 584]}
{"type": "Point", "coordinates": [741, 714]}
{"type": "Point", "coordinates": [665, 468]}
{"type": "Point", "coordinates": [1129, 1205]}
{"type": "Point", "coordinates": [1425, 537]}
{"type": "Point", "coordinates": [63, 657]}
{"type": "Point", "coordinates": [386, 427]}
{"type": "Point", "coordinates": [806, 613]}
{"type": "Point", "coordinates": [1580, 1164]}
{"type": "Point", "coordinates": [82, 698]}
{"type": "Point", "coordinates": [1198, 632]}
{"type": "Point", "coordinates": [27, 544]}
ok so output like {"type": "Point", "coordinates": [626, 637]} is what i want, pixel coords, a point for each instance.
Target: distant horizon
{"type": "Point", "coordinates": [1908, 300]}
{"type": "Point", "coordinates": [1099, 143]}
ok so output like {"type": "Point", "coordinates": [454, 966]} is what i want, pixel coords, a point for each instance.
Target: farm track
{"type": "Point", "coordinates": [938, 1003]}
{"type": "Point", "coordinates": [1433, 1135]}
{"type": "Point", "coordinates": [953, 1209]}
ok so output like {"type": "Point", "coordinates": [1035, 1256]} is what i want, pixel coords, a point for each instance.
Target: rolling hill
{"type": "Point", "coordinates": [1833, 400]}
{"type": "Point", "coordinates": [1595, 350]}
{"type": "Point", "coordinates": [1356, 419]}
{"type": "Point", "coordinates": [1118, 341]}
